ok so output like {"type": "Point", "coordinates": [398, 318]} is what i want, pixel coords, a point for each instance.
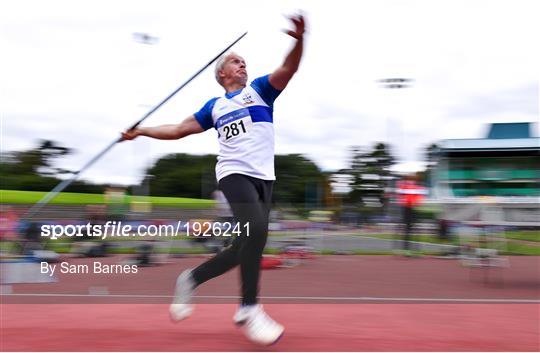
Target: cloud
{"type": "Point", "coordinates": [521, 100]}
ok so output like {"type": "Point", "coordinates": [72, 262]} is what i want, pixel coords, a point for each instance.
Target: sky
{"type": "Point", "coordinates": [72, 72]}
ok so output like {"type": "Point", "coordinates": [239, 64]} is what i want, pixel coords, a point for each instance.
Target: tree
{"type": "Point", "coordinates": [369, 174]}
{"type": "Point", "coordinates": [37, 161]}
{"type": "Point", "coordinates": [183, 175]}
{"type": "Point", "coordinates": [431, 156]}
{"type": "Point", "coordinates": [34, 169]}
{"type": "Point", "coordinates": [299, 181]}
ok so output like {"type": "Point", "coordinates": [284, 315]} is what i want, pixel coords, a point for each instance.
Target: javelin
{"type": "Point", "coordinates": [65, 183]}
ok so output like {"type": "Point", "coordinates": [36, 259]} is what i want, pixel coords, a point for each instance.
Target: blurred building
{"type": "Point", "coordinates": [502, 169]}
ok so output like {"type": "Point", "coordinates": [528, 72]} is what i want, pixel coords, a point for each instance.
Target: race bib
{"type": "Point", "coordinates": [234, 125]}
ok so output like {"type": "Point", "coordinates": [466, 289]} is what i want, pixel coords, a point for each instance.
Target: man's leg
{"type": "Point", "coordinates": [250, 253]}
{"type": "Point", "coordinates": [243, 196]}
{"type": "Point", "coordinates": [249, 199]}
{"type": "Point", "coordinates": [252, 250]}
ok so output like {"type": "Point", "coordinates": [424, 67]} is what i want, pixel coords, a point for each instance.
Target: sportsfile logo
{"type": "Point", "coordinates": [120, 229]}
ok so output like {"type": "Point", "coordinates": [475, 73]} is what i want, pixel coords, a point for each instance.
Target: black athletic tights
{"type": "Point", "coordinates": [250, 200]}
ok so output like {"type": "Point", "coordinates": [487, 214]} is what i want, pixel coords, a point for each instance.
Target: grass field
{"type": "Point", "coordinates": [513, 246]}
{"type": "Point", "coordinates": [528, 235]}
{"type": "Point", "coordinates": [69, 198]}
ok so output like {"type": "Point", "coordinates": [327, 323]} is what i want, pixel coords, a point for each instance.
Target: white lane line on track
{"type": "Point", "coordinates": [457, 300]}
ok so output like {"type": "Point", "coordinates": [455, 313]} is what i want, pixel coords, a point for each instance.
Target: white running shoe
{"type": "Point", "coordinates": [241, 315]}
{"type": "Point", "coordinates": [258, 326]}
{"type": "Point", "coordinates": [181, 307]}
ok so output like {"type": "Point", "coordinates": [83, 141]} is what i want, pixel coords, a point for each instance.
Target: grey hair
{"type": "Point", "coordinates": [220, 63]}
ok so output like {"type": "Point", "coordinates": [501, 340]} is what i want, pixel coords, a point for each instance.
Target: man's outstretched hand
{"type": "Point", "coordinates": [129, 135]}
{"type": "Point", "coordinates": [299, 27]}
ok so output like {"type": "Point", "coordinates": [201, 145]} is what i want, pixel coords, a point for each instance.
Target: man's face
{"type": "Point", "coordinates": [235, 69]}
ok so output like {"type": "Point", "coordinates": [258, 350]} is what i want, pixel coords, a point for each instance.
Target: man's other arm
{"type": "Point", "coordinates": [283, 74]}
{"type": "Point", "coordinates": [166, 132]}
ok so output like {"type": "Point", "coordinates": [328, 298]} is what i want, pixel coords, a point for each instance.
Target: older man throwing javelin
{"type": "Point", "coordinates": [243, 118]}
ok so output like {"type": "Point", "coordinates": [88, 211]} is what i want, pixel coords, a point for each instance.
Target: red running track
{"type": "Point", "coordinates": [309, 327]}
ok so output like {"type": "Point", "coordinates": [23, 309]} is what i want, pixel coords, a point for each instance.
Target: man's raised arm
{"type": "Point", "coordinates": [281, 77]}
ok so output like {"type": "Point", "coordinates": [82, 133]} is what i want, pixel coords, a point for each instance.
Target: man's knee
{"type": "Point", "coordinates": [251, 249]}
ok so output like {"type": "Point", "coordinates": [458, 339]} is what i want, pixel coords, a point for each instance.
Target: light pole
{"type": "Point", "coordinates": [394, 83]}
{"type": "Point", "coordinates": [149, 40]}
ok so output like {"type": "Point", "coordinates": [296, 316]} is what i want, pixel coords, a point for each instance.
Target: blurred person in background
{"type": "Point", "coordinates": [243, 118]}
{"type": "Point", "coordinates": [410, 196]}
{"type": "Point", "coordinates": [117, 202]}
{"type": "Point", "coordinates": [9, 221]}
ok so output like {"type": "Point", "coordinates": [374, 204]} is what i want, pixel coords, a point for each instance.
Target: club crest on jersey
{"type": "Point", "coordinates": [247, 99]}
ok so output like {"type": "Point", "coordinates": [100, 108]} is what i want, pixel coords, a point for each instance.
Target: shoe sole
{"type": "Point", "coordinates": [277, 339]}
{"type": "Point", "coordinates": [175, 320]}
{"type": "Point", "coordinates": [267, 344]}
{"type": "Point", "coordinates": [185, 316]}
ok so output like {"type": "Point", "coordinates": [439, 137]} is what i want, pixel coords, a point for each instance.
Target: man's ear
{"type": "Point", "coordinates": [221, 74]}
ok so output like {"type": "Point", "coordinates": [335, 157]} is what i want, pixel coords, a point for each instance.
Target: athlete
{"type": "Point", "coordinates": [243, 118]}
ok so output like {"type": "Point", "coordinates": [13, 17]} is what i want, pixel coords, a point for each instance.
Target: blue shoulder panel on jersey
{"type": "Point", "coordinates": [204, 116]}
{"type": "Point", "coordinates": [267, 92]}
{"type": "Point", "coordinates": [260, 114]}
